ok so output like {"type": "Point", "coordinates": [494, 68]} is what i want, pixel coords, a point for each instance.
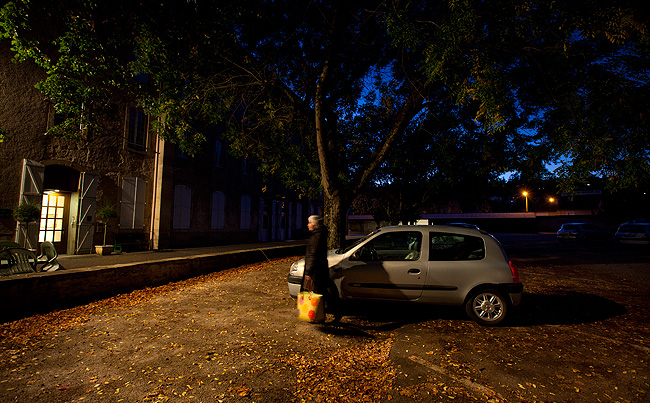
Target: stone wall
{"type": "Point", "coordinates": [24, 295]}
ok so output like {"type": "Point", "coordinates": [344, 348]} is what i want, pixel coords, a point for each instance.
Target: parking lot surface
{"type": "Point", "coordinates": [581, 335]}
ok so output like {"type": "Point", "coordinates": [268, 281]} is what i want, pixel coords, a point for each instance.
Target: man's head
{"type": "Point", "coordinates": [313, 222]}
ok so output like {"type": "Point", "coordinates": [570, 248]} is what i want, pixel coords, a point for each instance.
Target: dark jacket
{"type": "Point", "coordinates": [316, 256]}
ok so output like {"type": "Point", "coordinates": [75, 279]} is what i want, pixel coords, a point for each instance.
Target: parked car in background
{"type": "Point", "coordinates": [635, 233]}
{"type": "Point", "coordinates": [438, 265]}
{"type": "Point", "coordinates": [582, 232]}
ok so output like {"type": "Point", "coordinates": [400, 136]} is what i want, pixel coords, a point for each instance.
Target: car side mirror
{"type": "Point", "coordinates": [356, 255]}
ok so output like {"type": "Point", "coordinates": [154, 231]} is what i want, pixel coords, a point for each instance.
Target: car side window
{"type": "Point", "coordinates": [393, 246]}
{"type": "Point", "coordinates": [446, 246]}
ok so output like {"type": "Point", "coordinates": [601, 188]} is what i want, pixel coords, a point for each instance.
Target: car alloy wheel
{"type": "Point", "coordinates": [487, 307]}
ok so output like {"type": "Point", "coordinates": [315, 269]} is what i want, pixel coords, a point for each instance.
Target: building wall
{"type": "Point", "coordinates": [25, 116]}
{"type": "Point", "coordinates": [159, 169]}
{"type": "Point", "coordinates": [204, 177]}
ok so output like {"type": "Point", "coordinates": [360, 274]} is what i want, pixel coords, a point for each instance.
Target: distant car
{"type": "Point", "coordinates": [635, 233]}
{"type": "Point", "coordinates": [582, 231]}
{"type": "Point", "coordinates": [440, 265]}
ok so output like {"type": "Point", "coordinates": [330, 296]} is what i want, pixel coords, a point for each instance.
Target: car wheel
{"type": "Point", "coordinates": [488, 307]}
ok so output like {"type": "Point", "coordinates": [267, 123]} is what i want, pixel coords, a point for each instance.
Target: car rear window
{"type": "Point", "coordinates": [445, 246]}
{"type": "Point", "coordinates": [570, 227]}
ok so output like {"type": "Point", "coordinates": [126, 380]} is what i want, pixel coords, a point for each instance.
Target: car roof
{"type": "Point", "coordinates": [446, 228]}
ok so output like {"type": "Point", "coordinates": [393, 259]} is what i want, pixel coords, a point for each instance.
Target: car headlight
{"type": "Point", "coordinates": [296, 268]}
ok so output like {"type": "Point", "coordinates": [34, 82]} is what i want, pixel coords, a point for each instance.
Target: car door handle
{"type": "Point", "coordinates": [414, 271]}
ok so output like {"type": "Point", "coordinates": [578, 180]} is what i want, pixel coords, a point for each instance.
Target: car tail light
{"type": "Point", "coordinates": [515, 272]}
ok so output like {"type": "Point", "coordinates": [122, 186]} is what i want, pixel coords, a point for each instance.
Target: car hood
{"type": "Point", "coordinates": [333, 258]}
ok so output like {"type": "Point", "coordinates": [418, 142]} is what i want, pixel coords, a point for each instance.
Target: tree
{"type": "Point", "coordinates": [322, 91]}
{"type": "Point", "coordinates": [326, 80]}
{"type": "Point", "coordinates": [290, 77]}
{"type": "Point", "coordinates": [572, 77]}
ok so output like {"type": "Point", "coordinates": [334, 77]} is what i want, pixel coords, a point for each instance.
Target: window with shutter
{"type": "Point", "coordinates": [133, 203]}
{"type": "Point", "coordinates": [182, 207]}
{"type": "Point", "coordinates": [245, 221]}
{"type": "Point", "coordinates": [218, 210]}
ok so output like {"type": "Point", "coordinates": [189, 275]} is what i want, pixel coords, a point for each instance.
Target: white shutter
{"type": "Point", "coordinates": [218, 219]}
{"type": "Point", "coordinates": [133, 202]}
{"type": "Point", "coordinates": [140, 197]}
{"type": "Point", "coordinates": [127, 206]}
{"type": "Point", "coordinates": [86, 215]}
{"type": "Point", "coordinates": [182, 207]}
{"type": "Point", "coordinates": [31, 191]}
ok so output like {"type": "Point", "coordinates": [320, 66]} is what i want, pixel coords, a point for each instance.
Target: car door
{"type": "Point", "coordinates": [388, 266]}
{"type": "Point", "coordinates": [454, 265]}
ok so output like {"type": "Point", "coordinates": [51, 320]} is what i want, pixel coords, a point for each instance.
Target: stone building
{"type": "Point", "coordinates": [163, 198]}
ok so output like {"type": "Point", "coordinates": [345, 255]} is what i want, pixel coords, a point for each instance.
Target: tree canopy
{"type": "Point", "coordinates": [322, 92]}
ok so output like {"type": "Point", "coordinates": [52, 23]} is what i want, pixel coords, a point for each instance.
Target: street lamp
{"type": "Point", "coordinates": [526, 196]}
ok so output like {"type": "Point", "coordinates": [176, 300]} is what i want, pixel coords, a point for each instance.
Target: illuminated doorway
{"type": "Point", "coordinates": [54, 211]}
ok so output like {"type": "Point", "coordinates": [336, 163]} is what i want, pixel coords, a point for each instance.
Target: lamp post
{"type": "Point", "coordinates": [526, 197]}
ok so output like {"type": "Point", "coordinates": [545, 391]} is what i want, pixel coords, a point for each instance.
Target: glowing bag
{"type": "Point", "coordinates": [310, 307]}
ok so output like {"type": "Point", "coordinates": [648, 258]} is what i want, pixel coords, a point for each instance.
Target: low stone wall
{"type": "Point", "coordinates": [28, 294]}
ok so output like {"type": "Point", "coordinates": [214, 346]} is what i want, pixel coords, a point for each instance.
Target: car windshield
{"type": "Point", "coordinates": [357, 242]}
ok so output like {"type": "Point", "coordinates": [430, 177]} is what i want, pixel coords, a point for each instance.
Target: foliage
{"type": "Point", "coordinates": [27, 212]}
{"type": "Point", "coordinates": [106, 213]}
{"type": "Point", "coordinates": [322, 92]}
{"type": "Point", "coordinates": [572, 77]}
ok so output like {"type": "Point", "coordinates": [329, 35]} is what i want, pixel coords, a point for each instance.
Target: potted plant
{"type": "Point", "coordinates": [24, 214]}
{"type": "Point", "coordinates": [27, 212]}
{"type": "Point", "coordinates": [104, 215]}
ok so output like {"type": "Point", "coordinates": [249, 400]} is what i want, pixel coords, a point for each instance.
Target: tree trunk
{"type": "Point", "coordinates": [335, 219]}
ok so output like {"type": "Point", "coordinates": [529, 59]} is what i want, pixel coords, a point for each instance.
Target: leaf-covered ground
{"type": "Point", "coordinates": [580, 336]}
{"type": "Point", "coordinates": [228, 336]}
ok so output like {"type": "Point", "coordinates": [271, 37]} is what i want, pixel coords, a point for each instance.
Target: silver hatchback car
{"type": "Point", "coordinates": [441, 265]}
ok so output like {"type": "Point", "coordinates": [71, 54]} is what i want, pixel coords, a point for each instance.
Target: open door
{"type": "Point", "coordinates": [86, 217]}
{"type": "Point", "coordinates": [31, 191]}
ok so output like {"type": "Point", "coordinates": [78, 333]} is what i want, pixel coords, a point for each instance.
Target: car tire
{"type": "Point", "coordinates": [487, 307]}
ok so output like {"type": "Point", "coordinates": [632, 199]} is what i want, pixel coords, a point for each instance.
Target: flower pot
{"type": "Point", "coordinates": [103, 249]}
